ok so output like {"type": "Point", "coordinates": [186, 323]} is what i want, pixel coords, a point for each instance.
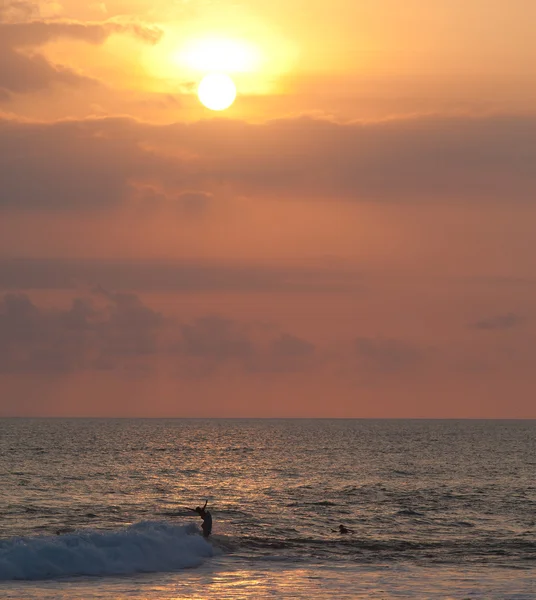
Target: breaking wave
{"type": "Point", "coordinates": [149, 546]}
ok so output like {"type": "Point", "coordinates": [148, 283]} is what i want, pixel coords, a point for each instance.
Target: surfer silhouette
{"type": "Point", "coordinates": [207, 519]}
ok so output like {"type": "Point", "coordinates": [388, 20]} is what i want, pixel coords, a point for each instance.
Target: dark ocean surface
{"type": "Point", "coordinates": [435, 503]}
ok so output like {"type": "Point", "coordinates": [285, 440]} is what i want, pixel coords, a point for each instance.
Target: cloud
{"type": "Point", "coordinates": [23, 72]}
{"type": "Point", "coordinates": [83, 336]}
{"type": "Point", "coordinates": [194, 204]}
{"type": "Point", "coordinates": [94, 164]}
{"type": "Point", "coordinates": [37, 33]}
{"type": "Point", "coordinates": [214, 337]}
{"type": "Point", "coordinates": [20, 73]}
{"type": "Point", "coordinates": [214, 342]}
{"type": "Point", "coordinates": [187, 204]}
{"type": "Point", "coordinates": [57, 274]}
{"type": "Point", "coordinates": [288, 346]}
{"type": "Point", "coordinates": [287, 354]}
{"type": "Point", "coordinates": [17, 10]}
{"type": "Point", "coordinates": [500, 322]}
{"type": "Point", "coordinates": [383, 355]}
{"type": "Point", "coordinates": [111, 331]}
{"type": "Point", "coordinates": [35, 341]}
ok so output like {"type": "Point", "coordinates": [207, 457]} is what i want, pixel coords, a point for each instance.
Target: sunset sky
{"type": "Point", "coordinates": [354, 237]}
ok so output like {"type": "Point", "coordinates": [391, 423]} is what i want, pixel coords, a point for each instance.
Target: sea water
{"type": "Point", "coordinates": [101, 509]}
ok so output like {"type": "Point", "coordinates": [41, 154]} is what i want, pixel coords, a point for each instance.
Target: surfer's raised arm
{"type": "Point", "coordinates": [207, 519]}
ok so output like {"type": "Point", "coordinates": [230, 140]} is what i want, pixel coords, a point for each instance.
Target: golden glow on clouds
{"type": "Point", "coordinates": [235, 42]}
{"type": "Point", "coordinates": [219, 54]}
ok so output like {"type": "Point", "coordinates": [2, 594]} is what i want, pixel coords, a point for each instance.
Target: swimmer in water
{"type": "Point", "coordinates": [344, 530]}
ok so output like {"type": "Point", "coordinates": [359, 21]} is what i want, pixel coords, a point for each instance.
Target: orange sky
{"type": "Point", "coordinates": [353, 237]}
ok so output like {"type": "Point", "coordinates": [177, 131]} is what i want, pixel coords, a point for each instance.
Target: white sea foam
{"type": "Point", "coordinates": [149, 546]}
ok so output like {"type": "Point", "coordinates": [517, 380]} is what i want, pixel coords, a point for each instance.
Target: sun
{"type": "Point", "coordinates": [217, 91]}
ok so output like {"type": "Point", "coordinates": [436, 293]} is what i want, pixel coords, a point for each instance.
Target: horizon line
{"type": "Point", "coordinates": [281, 418]}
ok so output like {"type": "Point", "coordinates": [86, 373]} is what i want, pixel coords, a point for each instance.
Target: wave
{"type": "Point", "coordinates": [149, 546]}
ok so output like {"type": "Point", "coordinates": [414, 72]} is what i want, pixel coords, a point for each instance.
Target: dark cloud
{"type": "Point", "coordinates": [216, 338]}
{"type": "Point", "coordinates": [194, 204]}
{"type": "Point", "coordinates": [385, 355]}
{"type": "Point", "coordinates": [160, 101]}
{"type": "Point", "coordinates": [187, 204]}
{"type": "Point", "coordinates": [110, 330]}
{"type": "Point", "coordinates": [286, 354]}
{"type": "Point", "coordinates": [214, 342]}
{"type": "Point", "coordinates": [93, 164]}
{"type": "Point", "coordinates": [131, 326]}
{"type": "Point", "coordinates": [38, 33]}
{"type": "Point", "coordinates": [22, 71]}
{"type": "Point", "coordinates": [289, 346]}
{"type": "Point", "coordinates": [500, 322]}
{"type": "Point", "coordinates": [83, 336]}
{"type": "Point", "coordinates": [86, 168]}
{"type": "Point", "coordinates": [33, 274]}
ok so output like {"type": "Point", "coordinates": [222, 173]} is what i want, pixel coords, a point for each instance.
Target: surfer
{"type": "Point", "coordinates": [207, 519]}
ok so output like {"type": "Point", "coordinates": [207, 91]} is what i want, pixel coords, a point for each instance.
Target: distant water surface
{"type": "Point", "coordinates": [444, 507]}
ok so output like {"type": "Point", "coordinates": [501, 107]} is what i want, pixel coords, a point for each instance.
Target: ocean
{"type": "Point", "coordinates": [436, 509]}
